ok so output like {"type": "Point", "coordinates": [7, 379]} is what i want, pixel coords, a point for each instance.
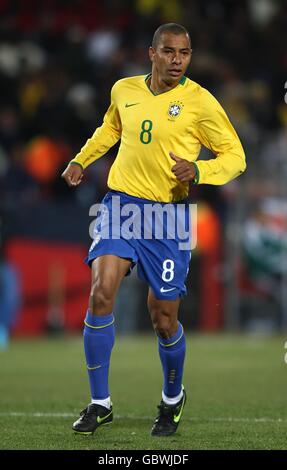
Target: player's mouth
{"type": "Point", "coordinates": [175, 72]}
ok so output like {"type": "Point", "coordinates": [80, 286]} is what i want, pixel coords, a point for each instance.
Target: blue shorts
{"type": "Point", "coordinates": [152, 241]}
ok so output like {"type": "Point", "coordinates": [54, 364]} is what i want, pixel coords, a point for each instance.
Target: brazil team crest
{"type": "Point", "coordinates": [175, 109]}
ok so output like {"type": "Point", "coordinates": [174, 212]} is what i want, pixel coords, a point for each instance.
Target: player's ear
{"type": "Point", "coordinates": [151, 53]}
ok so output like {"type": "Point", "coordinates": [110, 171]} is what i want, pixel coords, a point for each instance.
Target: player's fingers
{"type": "Point", "coordinates": [188, 176]}
{"type": "Point", "coordinates": [67, 178]}
{"type": "Point", "coordinates": [70, 178]}
{"type": "Point", "coordinates": [174, 157]}
{"type": "Point", "coordinates": [185, 173]}
{"type": "Point", "coordinates": [175, 168]}
{"type": "Point", "coordinates": [64, 175]}
{"type": "Point", "coordinates": [76, 175]}
{"type": "Point", "coordinates": [76, 183]}
{"type": "Point", "coordinates": [180, 167]}
{"type": "Point", "coordinates": [74, 178]}
{"type": "Point", "coordinates": [183, 177]}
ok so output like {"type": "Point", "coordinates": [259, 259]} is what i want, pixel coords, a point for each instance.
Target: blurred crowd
{"type": "Point", "coordinates": [60, 58]}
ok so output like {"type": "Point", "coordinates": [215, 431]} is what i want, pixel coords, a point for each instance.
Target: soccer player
{"type": "Point", "coordinates": [162, 120]}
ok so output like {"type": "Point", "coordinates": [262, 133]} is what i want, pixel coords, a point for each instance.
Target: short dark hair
{"type": "Point", "coordinates": [173, 28]}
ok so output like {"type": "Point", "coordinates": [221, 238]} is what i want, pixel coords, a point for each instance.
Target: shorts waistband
{"type": "Point", "coordinates": [112, 192]}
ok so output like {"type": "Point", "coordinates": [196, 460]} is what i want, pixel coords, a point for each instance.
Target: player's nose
{"type": "Point", "coordinates": [176, 59]}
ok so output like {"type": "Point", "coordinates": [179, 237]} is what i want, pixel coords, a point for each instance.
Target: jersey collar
{"type": "Point", "coordinates": [147, 77]}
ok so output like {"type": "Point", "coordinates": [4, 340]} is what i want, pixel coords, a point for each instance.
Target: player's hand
{"type": "Point", "coordinates": [73, 174]}
{"type": "Point", "coordinates": [183, 170]}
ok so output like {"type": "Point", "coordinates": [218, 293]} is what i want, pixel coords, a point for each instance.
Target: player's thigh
{"type": "Point", "coordinates": [164, 313]}
{"type": "Point", "coordinates": [107, 274]}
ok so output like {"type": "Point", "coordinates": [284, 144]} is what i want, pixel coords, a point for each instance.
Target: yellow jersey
{"type": "Point", "coordinates": [150, 126]}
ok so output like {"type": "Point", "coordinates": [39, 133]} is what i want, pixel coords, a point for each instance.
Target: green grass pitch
{"type": "Point", "coordinates": [236, 388]}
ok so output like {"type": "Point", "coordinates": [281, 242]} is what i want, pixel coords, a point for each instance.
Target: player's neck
{"type": "Point", "coordinates": [157, 85]}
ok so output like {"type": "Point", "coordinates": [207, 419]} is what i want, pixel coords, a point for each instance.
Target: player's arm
{"type": "Point", "coordinates": [101, 141]}
{"type": "Point", "coordinates": [215, 131]}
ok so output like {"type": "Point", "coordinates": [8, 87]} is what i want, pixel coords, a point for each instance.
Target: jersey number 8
{"type": "Point", "coordinates": [145, 135]}
{"type": "Point", "coordinates": [168, 270]}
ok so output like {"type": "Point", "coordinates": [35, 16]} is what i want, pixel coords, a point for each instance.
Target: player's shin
{"type": "Point", "coordinates": [99, 337]}
{"type": "Point", "coordinates": [172, 355]}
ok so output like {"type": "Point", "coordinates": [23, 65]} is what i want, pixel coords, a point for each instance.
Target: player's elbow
{"type": "Point", "coordinates": [242, 163]}
{"type": "Point", "coordinates": [231, 172]}
{"type": "Point", "coordinates": [237, 161]}
{"type": "Point", "coordinates": [240, 169]}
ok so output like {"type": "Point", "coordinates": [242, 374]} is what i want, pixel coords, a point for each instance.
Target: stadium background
{"type": "Point", "coordinates": [58, 61]}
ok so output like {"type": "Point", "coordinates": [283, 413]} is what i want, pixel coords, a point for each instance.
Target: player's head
{"type": "Point", "coordinates": [170, 52]}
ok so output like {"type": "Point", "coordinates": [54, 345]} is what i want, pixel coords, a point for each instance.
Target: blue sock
{"type": "Point", "coordinates": [99, 338]}
{"type": "Point", "coordinates": [172, 354]}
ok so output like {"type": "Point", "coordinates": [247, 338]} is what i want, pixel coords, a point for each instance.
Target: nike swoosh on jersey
{"type": "Point", "coordinates": [162, 289]}
{"type": "Point", "coordinates": [131, 104]}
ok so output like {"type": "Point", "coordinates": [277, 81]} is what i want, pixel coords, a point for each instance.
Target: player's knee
{"type": "Point", "coordinates": [163, 323]}
{"type": "Point", "coordinates": [101, 298]}
{"type": "Point", "coordinates": [163, 333]}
